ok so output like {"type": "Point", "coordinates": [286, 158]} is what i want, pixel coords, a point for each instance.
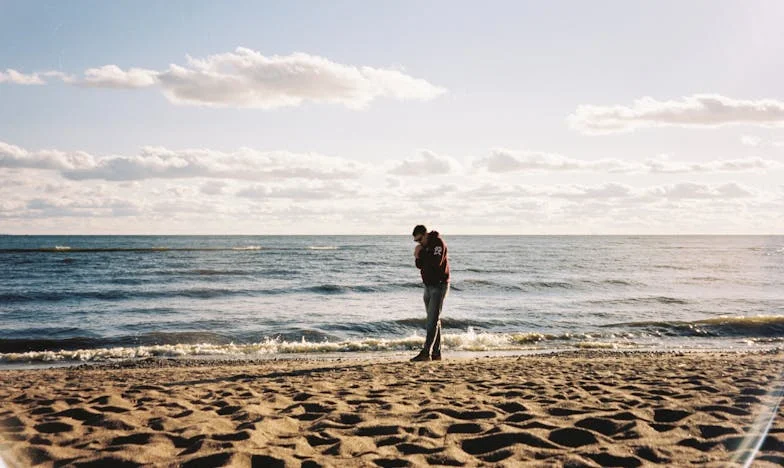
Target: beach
{"type": "Point", "coordinates": [577, 408]}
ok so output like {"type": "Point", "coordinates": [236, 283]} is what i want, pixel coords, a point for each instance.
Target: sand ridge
{"type": "Point", "coordinates": [586, 408]}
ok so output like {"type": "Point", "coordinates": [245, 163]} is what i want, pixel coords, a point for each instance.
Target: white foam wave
{"type": "Point", "coordinates": [604, 345]}
{"type": "Point", "coordinates": [469, 340]}
{"type": "Point", "coordinates": [248, 247]}
{"type": "Point", "coordinates": [62, 247]}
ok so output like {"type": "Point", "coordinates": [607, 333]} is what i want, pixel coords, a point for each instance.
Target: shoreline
{"type": "Point", "coordinates": [371, 356]}
{"type": "Point", "coordinates": [583, 408]}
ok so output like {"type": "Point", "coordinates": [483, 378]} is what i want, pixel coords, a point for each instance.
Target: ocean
{"type": "Point", "coordinates": [98, 298]}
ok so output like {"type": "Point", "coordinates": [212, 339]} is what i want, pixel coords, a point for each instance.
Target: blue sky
{"type": "Point", "coordinates": [477, 118]}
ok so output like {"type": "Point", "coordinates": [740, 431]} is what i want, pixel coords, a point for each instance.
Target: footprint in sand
{"type": "Point", "coordinates": [53, 427]}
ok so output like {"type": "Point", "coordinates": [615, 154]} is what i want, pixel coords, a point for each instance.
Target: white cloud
{"type": "Point", "coordinates": [750, 140]}
{"type": "Point", "coordinates": [691, 190]}
{"type": "Point", "coordinates": [428, 164]}
{"type": "Point", "coordinates": [507, 161]}
{"type": "Point", "coordinates": [663, 165]}
{"type": "Point", "coordinates": [488, 191]}
{"type": "Point", "coordinates": [14, 156]}
{"type": "Point", "coordinates": [300, 192]}
{"type": "Point", "coordinates": [427, 194]}
{"type": "Point", "coordinates": [699, 110]}
{"type": "Point", "coordinates": [755, 141]}
{"type": "Point", "coordinates": [15, 77]}
{"type": "Point", "coordinates": [246, 78]}
{"type": "Point", "coordinates": [213, 187]}
{"type": "Point", "coordinates": [160, 190]}
{"type": "Point", "coordinates": [318, 206]}
{"type": "Point", "coordinates": [158, 162]}
{"type": "Point", "coordinates": [609, 190]}
{"type": "Point", "coordinates": [112, 76]}
{"type": "Point", "coordinates": [502, 160]}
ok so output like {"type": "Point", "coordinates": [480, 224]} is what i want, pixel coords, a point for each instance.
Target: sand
{"type": "Point", "coordinates": [587, 408]}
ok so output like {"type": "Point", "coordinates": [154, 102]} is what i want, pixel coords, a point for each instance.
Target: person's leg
{"type": "Point", "coordinates": [433, 319]}
{"type": "Point", "coordinates": [441, 295]}
{"type": "Point", "coordinates": [424, 355]}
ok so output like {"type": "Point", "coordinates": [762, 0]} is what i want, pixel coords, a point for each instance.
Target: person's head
{"type": "Point", "coordinates": [420, 234]}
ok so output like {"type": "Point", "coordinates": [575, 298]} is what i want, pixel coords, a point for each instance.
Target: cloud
{"type": "Point", "coordinates": [213, 187]}
{"type": "Point", "coordinates": [750, 140]}
{"type": "Point", "coordinates": [15, 77]}
{"type": "Point", "coordinates": [679, 191]}
{"type": "Point", "coordinates": [613, 191]}
{"type": "Point", "coordinates": [163, 163]}
{"type": "Point", "coordinates": [723, 165]}
{"type": "Point", "coordinates": [245, 78]}
{"type": "Point", "coordinates": [48, 203]}
{"type": "Point", "coordinates": [495, 192]}
{"type": "Point", "coordinates": [112, 76]}
{"type": "Point", "coordinates": [507, 161]}
{"type": "Point", "coordinates": [609, 190]}
{"type": "Point", "coordinates": [502, 160]}
{"type": "Point", "coordinates": [699, 110]}
{"type": "Point", "coordinates": [692, 191]}
{"type": "Point", "coordinates": [300, 192]}
{"type": "Point", "coordinates": [15, 157]}
{"type": "Point", "coordinates": [428, 164]}
{"type": "Point", "coordinates": [431, 193]}
{"type": "Point", "coordinates": [755, 141]}
{"type": "Point", "coordinates": [85, 207]}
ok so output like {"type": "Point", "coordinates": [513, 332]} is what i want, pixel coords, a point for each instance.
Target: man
{"type": "Point", "coordinates": [431, 258]}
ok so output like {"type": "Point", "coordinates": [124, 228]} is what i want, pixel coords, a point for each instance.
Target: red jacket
{"type": "Point", "coordinates": [432, 261]}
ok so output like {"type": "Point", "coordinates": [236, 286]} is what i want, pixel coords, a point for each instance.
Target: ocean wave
{"type": "Point", "coordinates": [120, 294]}
{"type": "Point", "coordinates": [246, 248]}
{"type": "Point", "coordinates": [483, 270]}
{"type": "Point", "coordinates": [540, 285]}
{"type": "Point", "coordinates": [108, 249]}
{"type": "Point", "coordinates": [755, 326]}
{"type": "Point", "coordinates": [59, 249]}
{"type": "Point", "coordinates": [527, 285]}
{"type": "Point", "coordinates": [80, 340]}
{"type": "Point", "coordinates": [209, 272]}
{"type": "Point", "coordinates": [469, 340]}
{"type": "Point", "coordinates": [469, 284]}
{"type": "Point", "coordinates": [407, 325]}
{"type": "Point", "coordinates": [614, 282]}
{"type": "Point", "coordinates": [30, 296]}
{"type": "Point", "coordinates": [639, 300]}
{"type": "Point", "coordinates": [605, 345]}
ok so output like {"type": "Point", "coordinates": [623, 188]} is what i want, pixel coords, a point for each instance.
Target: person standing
{"type": "Point", "coordinates": [431, 258]}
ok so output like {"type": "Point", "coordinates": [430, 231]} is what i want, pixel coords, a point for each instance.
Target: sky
{"type": "Point", "coordinates": [353, 117]}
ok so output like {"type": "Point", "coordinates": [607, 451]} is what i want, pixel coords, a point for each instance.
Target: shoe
{"type": "Point", "coordinates": [436, 357]}
{"type": "Point", "coordinates": [420, 357]}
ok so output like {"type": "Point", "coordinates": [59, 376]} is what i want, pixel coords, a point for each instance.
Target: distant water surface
{"type": "Point", "coordinates": [104, 297]}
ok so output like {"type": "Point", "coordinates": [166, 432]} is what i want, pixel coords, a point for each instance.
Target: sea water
{"type": "Point", "coordinates": [93, 298]}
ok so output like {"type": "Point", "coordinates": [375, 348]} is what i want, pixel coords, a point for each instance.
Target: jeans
{"type": "Point", "coordinates": [434, 301]}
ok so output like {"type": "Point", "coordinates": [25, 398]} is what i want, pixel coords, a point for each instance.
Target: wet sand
{"type": "Point", "coordinates": [586, 408]}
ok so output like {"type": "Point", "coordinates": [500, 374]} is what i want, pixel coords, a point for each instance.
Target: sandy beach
{"type": "Point", "coordinates": [587, 408]}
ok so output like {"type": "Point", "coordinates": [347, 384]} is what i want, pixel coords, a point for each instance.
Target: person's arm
{"type": "Point", "coordinates": [434, 258]}
{"type": "Point", "coordinates": [417, 253]}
